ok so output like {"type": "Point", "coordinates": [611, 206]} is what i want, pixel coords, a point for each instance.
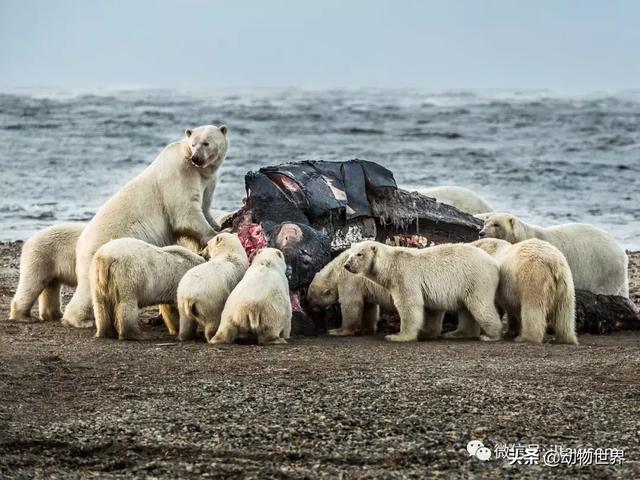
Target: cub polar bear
{"type": "Point", "coordinates": [459, 197]}
{"type": "Point", "coordinates": [48, 260]}
{"type": "Point", "coordinates": [360, 299]}
{"type": "Point", "coordinates": [260, 303]}
{"type": "Point", "coordinates": [169, 199]}
{"type": "Point", "coordinates": [597, 262]}
{"type": "Point", "coordinates": [204, 289]}
{"type": "Point", "coordinates": [536, 288]}
{"type": "Point", "coordinates": [425, 283]}
{"type": "Point", "coordinates": [127, 274]}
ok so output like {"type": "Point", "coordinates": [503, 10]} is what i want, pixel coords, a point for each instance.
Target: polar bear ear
{"type": "Point", "coordinates": [512, 221]}
{"type": "Point", "coordinates": [223, 129]}
{"type": "Point", "coordinates": [279, 253]}
{"type": "Point", "coordinates": [374, 248]}
{"type": "Point", "coordinates": [188, 132]}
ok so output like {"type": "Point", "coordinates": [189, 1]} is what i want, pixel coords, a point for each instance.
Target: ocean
{"type": "Point", "coordinates": [548, 157]}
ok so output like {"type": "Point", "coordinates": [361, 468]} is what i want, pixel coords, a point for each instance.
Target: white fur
{"type": "Point", "coordinates": [204, 289]}
{"type": "Point", "coordinates": [426, 283]}
{"type": "Point", "coordinates": [168, 200]}
{"type": "Point", "coordinates": [459, 197]}
{"type": "Point", "coordinates": [128, 273]}
{"type": "Point", "coordinates": [597, 262]}
{"type": "Point", "coordinates": [536, 289]}
{"type": "Point", "coordinates": [47, 262]}
{"type": "Point", "coordinates": [260, 303]}
{"type": "Point", "coordinates": [360, 299]}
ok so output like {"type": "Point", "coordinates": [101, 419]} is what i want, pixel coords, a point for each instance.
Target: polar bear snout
{"type": "Point", "coordinates": [197, 160]}
{"type": "Point", "coordinates": [482, 233]}
{"type": "Point", "coordinates": [202, 158]}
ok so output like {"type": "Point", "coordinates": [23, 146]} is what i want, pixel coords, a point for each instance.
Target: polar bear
{"type": "Point", "coordinates": [127, 274]}
{"type": "Point", "coordinates": [260, 303]}
{"type": "Point", "coordinates": [48, 260]}
{"type": "Point", "coordinates": [597, 262]}
{"type": "Point", "coordinates": [536, 289]}
{"type": "Point", "coordinates": [360, 299]}
{"type": "Point", "coordinates": [204, 289]}
{"type": "Point", "coordinates": [425, 283]}
{"type": "Point", "coordinates": [459, 197]}
{"type": "Point", "coordinates": [168, 200]}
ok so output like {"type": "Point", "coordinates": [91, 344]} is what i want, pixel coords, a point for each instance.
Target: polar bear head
{"type": "Point", "coordinates": [504, 226]}
{"type": "Point", "coordinates": [362, 257]}
{"type": "Point", "coordinates": [206, 146]}
{"type": "Point", "coordinates": [271, 258]}
{"type": "Point", "coordinates": [323, 290]}
{"type": "Point", "coordinates": [225, 244]}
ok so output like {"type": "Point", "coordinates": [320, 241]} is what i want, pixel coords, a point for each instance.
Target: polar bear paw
{"type": "Point", "coordinates": [399, 337]}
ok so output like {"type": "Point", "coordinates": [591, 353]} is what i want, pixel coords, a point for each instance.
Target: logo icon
{"type": "Point", "coordinates": [477, 449]}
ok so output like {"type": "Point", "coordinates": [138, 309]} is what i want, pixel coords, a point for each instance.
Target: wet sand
{"type": "Point", "coordinates": [72, 406]}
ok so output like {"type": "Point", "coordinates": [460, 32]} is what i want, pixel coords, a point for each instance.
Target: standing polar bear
{"type": "Point", "coordinates": [48, 260]}
{"type": "Point", "coordinates": [260, 303]}
{"type": "Point", "coordinates": [536, 289]}
{"type": "Point", "coordinates": [360, 299]}
{"type": "Point", "coordinates": [127, 274]}
{"type": "Point", "coordinates": [204, 289]}
{"type": "Point", "coordinates": [459, 197]}
{"type": "Point", "coordinates": [425, 283]}
{"type": "Point", "coordinates": [597, 262]}
{"type": "Point", "coordinates": [168, 200]}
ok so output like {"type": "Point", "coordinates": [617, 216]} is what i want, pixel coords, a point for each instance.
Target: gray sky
{"type": "Point", "coordinates": [575, 45]}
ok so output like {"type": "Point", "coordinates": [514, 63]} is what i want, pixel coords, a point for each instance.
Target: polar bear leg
{"type": "Point", "coordinates": [127, 320]}
{"type": "Point", "coordinates": [411, 319]}
{"type": "Point", "coordinates": [486, 314]}
{"type": "Point", "coordinates": [29, 287]}
{"type": "Point", "coordinates": [432, 327]}
{"type": "Point", "coordinates": [49, 302]}
{"type": "Point", "coordinates": [187, 324]}
{"type": "Point", "coordinates": [467, 326]}
{"type": "Point", "coordinates": [286, 329]}
{"type": "Point", "coordinates": [171, 318]}
{"type": "Point", "coordinates": [79, 312]}
{"type": "Point", "coordinates": [105, 327]}
{"type": "Point", "coordinates": [351, 319]}
{"type": "Point", "coordinates": [211, 329]}
{"type": "Point", "coordinates": [533, 322]}
{"type": "Point", "coordinates": [227, 333]}
{"type": "Point", "coordinates": [370, 317]}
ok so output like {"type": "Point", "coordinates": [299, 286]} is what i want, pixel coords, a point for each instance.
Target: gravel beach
{"type": "Point", "coordinates": [72, 406]}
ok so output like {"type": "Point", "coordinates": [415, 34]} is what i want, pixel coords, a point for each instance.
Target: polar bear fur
{"type": "Point", "coordinates": [204, 289]}
{"type": "Point", "coordinates": [127, 274]}
{"type": "Point", "coordinates": [598, 264]}
{"type": "Point", "coordinates": [168, 200]}
{"type": "Point", "coordinates": [536, 289]}
{"type": "Point", "coordinates": [47, 262]}
{"type": "Point", "coordinates": [426, 283]}
{"type": "Point", "coordinates": [360, 299]}
{"type": "Point", "coordinates": [459, 197]}
{"type": "Point", "coordinates": [260, 303]}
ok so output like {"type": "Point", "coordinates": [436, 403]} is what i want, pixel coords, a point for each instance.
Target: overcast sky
{"type": "Point", "coordinates": [448, 44]}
